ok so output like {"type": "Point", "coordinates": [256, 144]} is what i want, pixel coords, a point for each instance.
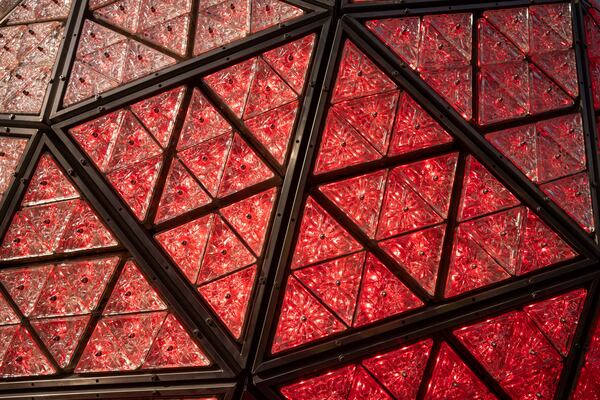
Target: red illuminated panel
{"type": "Point", "coordinates": [592, 31]}
{"type": "Point", "coordinates": [219, 253]}
{"type": "Point", "coordinates": [136, 331]}
{"type": "Point", "coordinates": [525, 60]}
{"type": "Point", "coordinates": [397, 374]}
{"type": "Point", "coordinates": [53, 218]}
{"type": "Point", "coordinates": [588, 386]}
{"type": "Point", "coordinates": [212, 160]}
{"type": "Point", "coordinates": [520, 350]}
{"type": "Point", "coordinates": [525, 65]}
{"type": "Point", "coordinates": [28, 49]}
{"type": "Point", "coordinates": [128, 145]}
{"type": "Point", "coordinates": [58, 299]}
{"type": "Point", "coordinates": [439, 48]}
{"type": "Point", "coordinates": [496, 237]}
{"type": "Point", "coordinates": [126, 40]}
{"type": "Point", "coordinates": [333, 286]}
{"type": "Point", "coordinates": [371, 118]}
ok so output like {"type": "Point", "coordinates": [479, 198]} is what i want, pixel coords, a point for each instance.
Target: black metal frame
{"type": "Point", "coordinates": [245, 369]}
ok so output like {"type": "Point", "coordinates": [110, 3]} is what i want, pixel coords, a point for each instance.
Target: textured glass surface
{"type": "Point", "coordinates": [30, 37]}
{"type": "Point", "coordinates": [523, 350]}
{"type": "Point", "coordinates": [350, 201]}
{"type": "Point", "coordinates": [525, 66]}
{"type": "Point", "coordinates": [396, 374]}
{"type": "Point", "coordinates": [136, 332]}
{"type": "Point", "coordinates": [334, 285]}
{"type": "Point", "coordinates": [552, 154]}
{"type": "Point", "coordinates": [202, 163]}
{"type": "Point", "coordinates": [53, 218]}
{"type": "Point", "coordinates": [128, 39]}
{"type": "Point", "coordinates": [11, 151]}
{"type": "Point", "coordinates": [525, 60]}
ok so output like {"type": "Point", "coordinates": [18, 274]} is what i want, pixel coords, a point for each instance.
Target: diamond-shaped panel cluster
{"type": "Point", "coordinates": [334, 284]}
{"type": "Point", "coordinates": [523, 350]}
{"type": "Point", "coordinates": [202, 163]}
{"type": "Point", "coordinates": [127, 39]}
{"type": "Point", "coordinates": [30, 36]}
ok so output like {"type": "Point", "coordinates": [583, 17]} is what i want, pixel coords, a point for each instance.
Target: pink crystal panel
{"type": "Point", "coordinates": [265, 91]}
{"type": "Point", "coordinates": [106, 59]}
{"type": "Point", "coordinates": [136, 331]}
{"type": "Point", "coordinates": [53, 218]}
{"type": "Point", "coordinates": [11, 151]}
{"type": "Point", "coordinates": [127, 146]}
{"type": "Point", "coordinates": [223, 22]}
{"type": "Point", "coordinates": [439, 48]}
{"type": "Point", "coordinates": [497, 238]}
{"type": "Point", "coordinates": [552, 154]}
{"type": "Point", "coordinates": [525, 58]}
{"type": "Point", "coordinates": [28, 50]}
{"type": "Point", "coordinates": [57, 300]}
{"type": "Point", "coordinates": [219, 252]}
{"type": "Point", "coordinates": [163, 23]}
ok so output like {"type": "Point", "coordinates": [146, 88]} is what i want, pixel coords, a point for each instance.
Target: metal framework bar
{"type": "Point", "coordinates": [223, 391]}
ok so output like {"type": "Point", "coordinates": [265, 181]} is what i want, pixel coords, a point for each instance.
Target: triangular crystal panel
{"type": "Point", "coordinates": [303, 319]}
{"type": "Point", "coordinates": [558, 317]}
{"type": "Point", "coordinates": [37, 229]}
{"type": "Point", "coordinates": [453, 380]}
{"type": "Point", "coordinates": [515, 353]}
{"type": "Point", "coordinates": [229, 297]}
{"type": "Point", "coordinates": [136, 331]}
{"type": "Point", "coordinates": [401, 370]}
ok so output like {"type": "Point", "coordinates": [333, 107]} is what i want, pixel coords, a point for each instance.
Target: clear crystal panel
{"type": "Point", "coordinates": [30, 38]}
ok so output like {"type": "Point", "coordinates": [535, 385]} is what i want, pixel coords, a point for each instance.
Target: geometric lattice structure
{"type": "Point", "coordinates": [299, 199]}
